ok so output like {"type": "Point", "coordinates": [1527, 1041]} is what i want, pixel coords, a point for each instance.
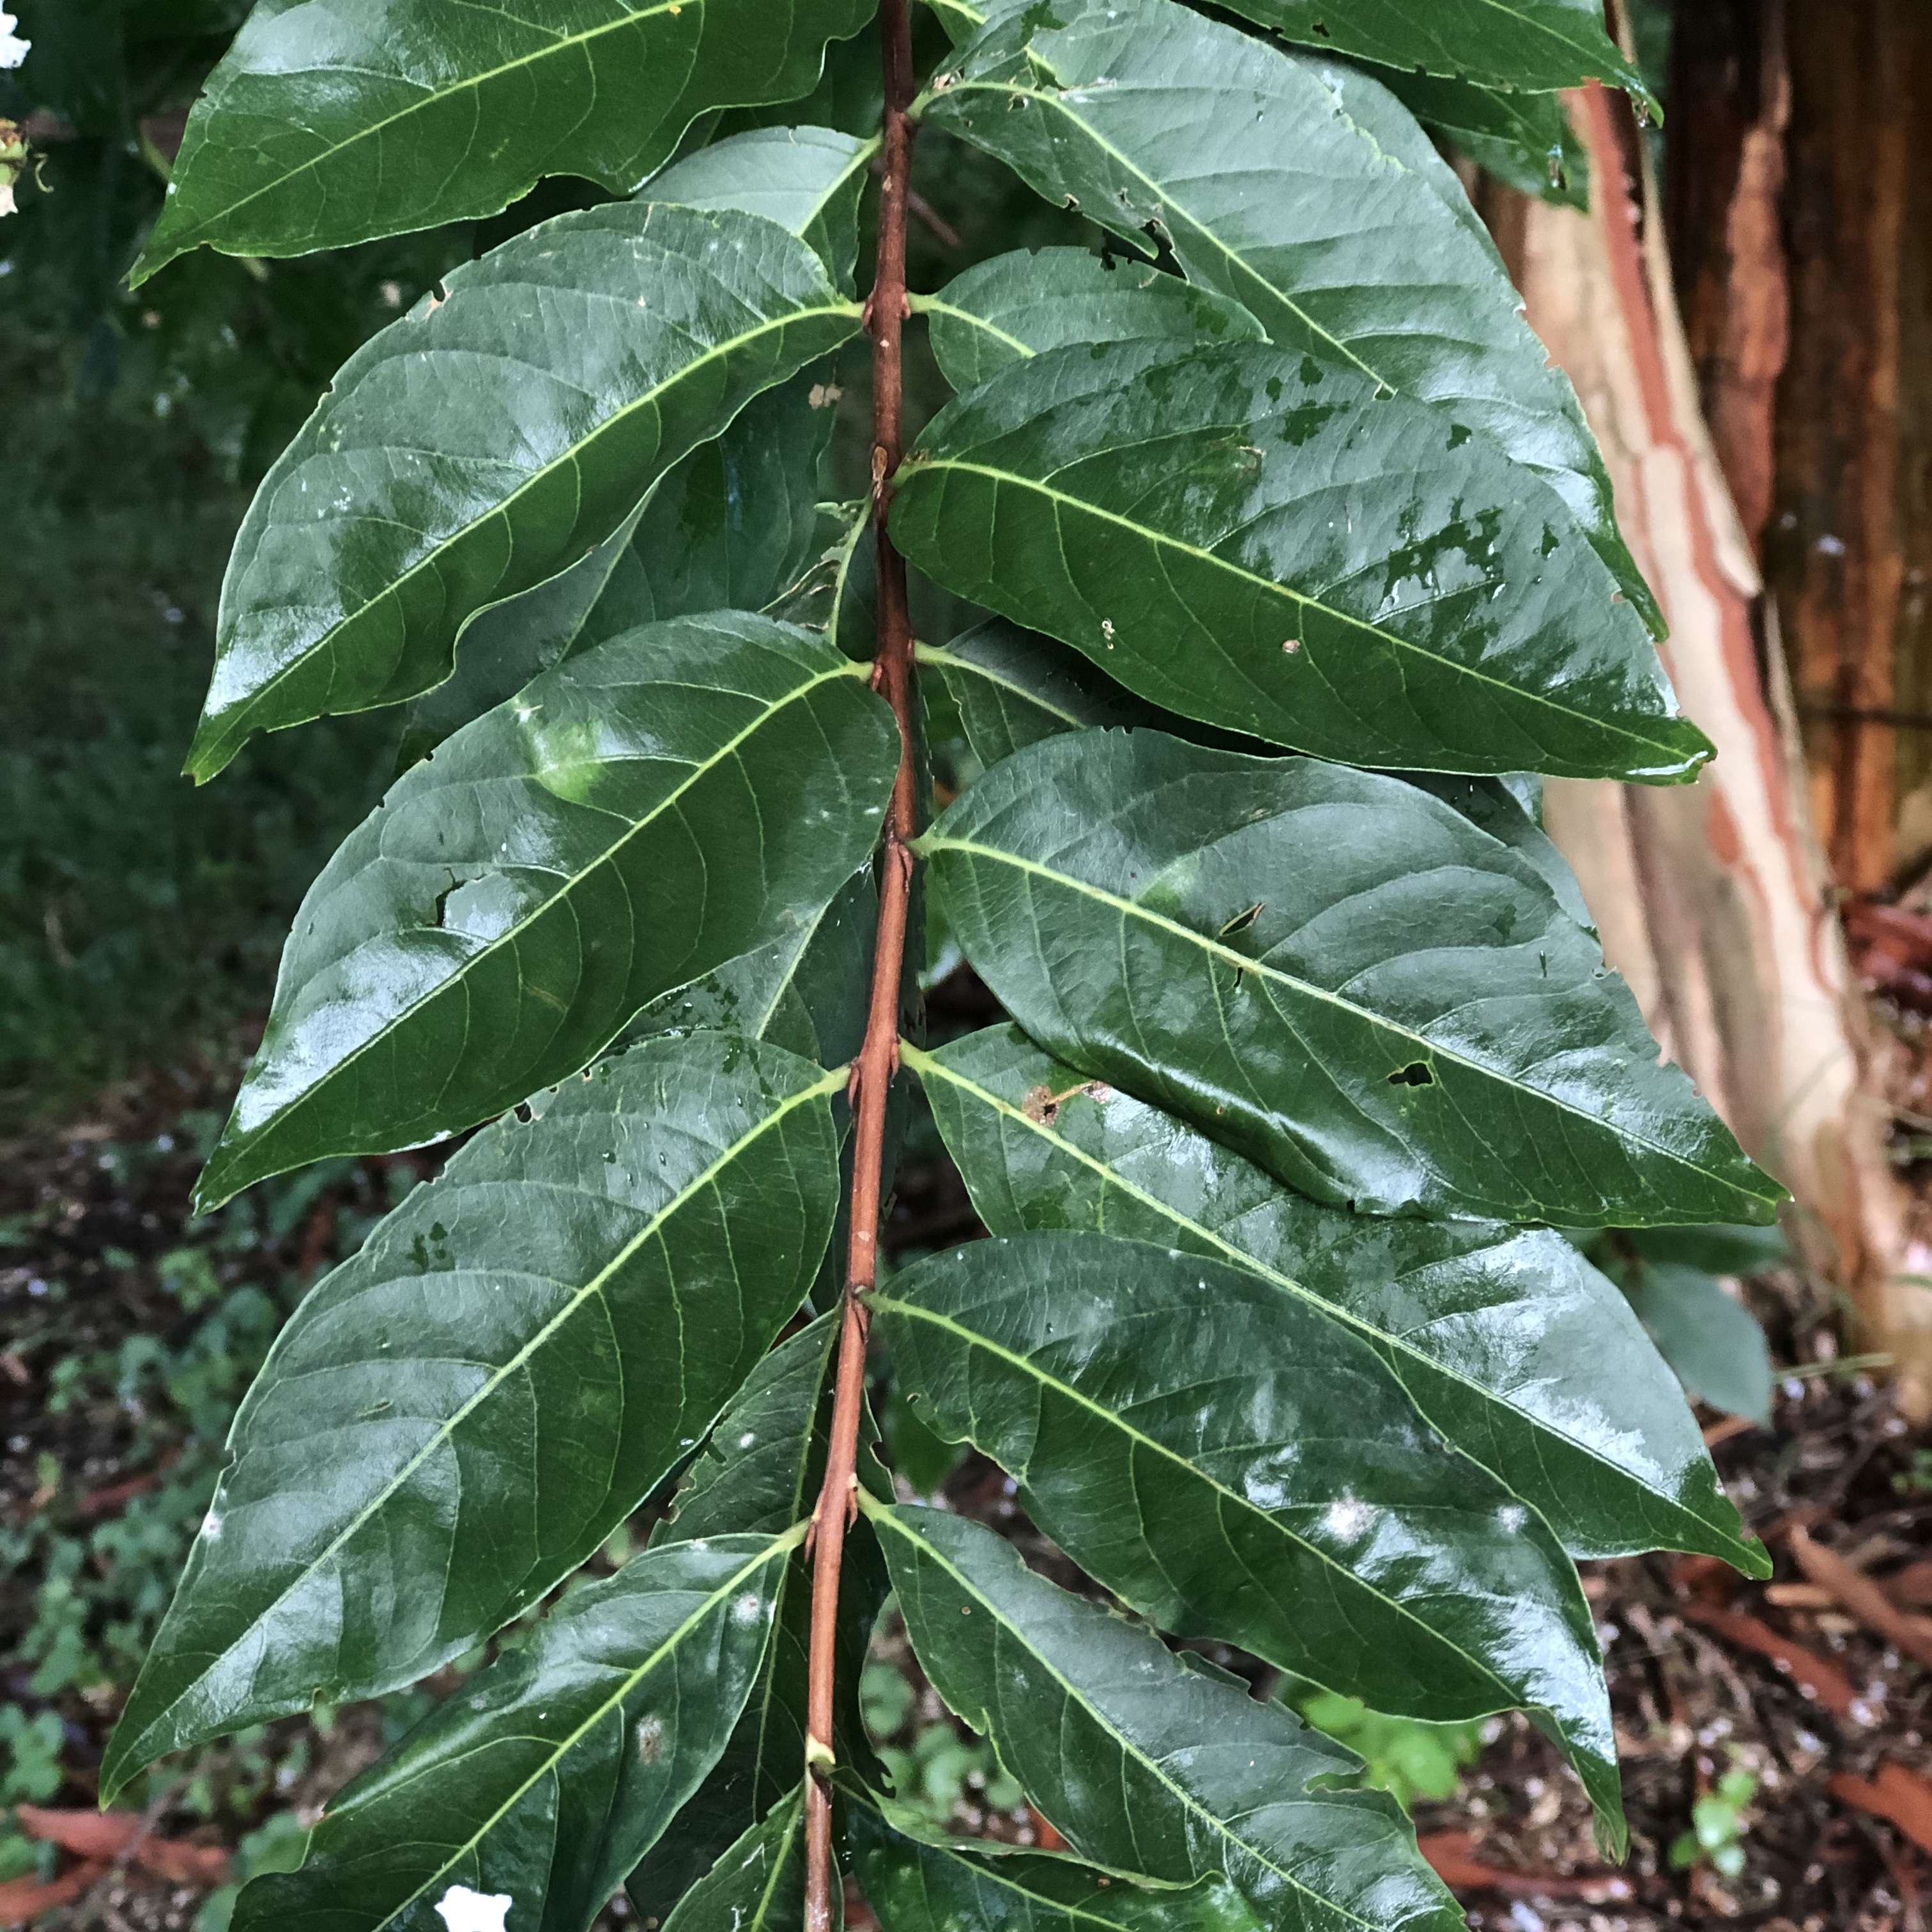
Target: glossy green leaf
{"type": "Point", "coordinates": [914, 1886]}
{"type": "Point", "coordinates": [1148, 1762]}
{"type": "Point", "coordinates": [1011, 307]}
{"type": "Point", "coordinates": [540, 1783]}
{"type": "Point", "coordinates": [1012, 687]}
{"type": "Point", "coordinates": [757, 1885]}
{"type": "Point", "coordinates": [762, 1470]}
{"type": "Point", "coordinates": [1534, 45]}
{"type": "Point", "coordinates": [459, 1415]}
{"type": "Point", "coordinates": [1332, 973]}
{"type": "Point", "coordinates": [1259, 540]}
{"type": "Point", "coordinates": [1301, 188]}
{"type": "Point", "coordinates": [1235, 1464]}
{"type": "Point", "coordinates": [733, 526]}
{"type": "Point", "coordinates": [493, 438]}
{"type": "Point", "coordinates": [1525, 140]}
{"type": "Point", "coordinates": [1518, 1350]}
{"type": "Point", "coordinates": [331, 121]}
{"type": "Point", "coordinates": [515, 902]}
{"type": "Point", "coordinates": [805, 991]}
{"type": "Point", "coordinates": [806, 179]}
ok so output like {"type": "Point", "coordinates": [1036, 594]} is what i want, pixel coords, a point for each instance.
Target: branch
{"type": "Point", "coordinates": [878, 1057]}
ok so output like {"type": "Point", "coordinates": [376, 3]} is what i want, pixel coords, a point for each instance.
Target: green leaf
{"type": "Point", "coordinates": [1332, 973]}
{"type": "Point", "coordinates": [1518, 1350]}
{"type": "Point", "coordinates": [1235, 1464]}
{"type": "Point", "coordinates": [1301, 188]}
{"type": "Point", "coordinates": [515, 902]}
{"type": "Point", "coordinates": [914, 1886]}
{"type": "Point", "coordinates": [331, 122]}
{"type": "Point", "coordinates": [456, 1418]}
{"type": "Point", "coordinates": [1147, 1762]}
{"type": "Point", "coordinates": [1525, 140]}
{"type": "Point", "coordinates": [492, 439]}
{"type": "Point", "coordinates": [762, 1470]}
{"type": "Point", "coordinates": [1012, 308]}
{"type": "Point", "coordinates": [806, 179]}
{"type": "Point", "coordinates": [732, 526]}
{"type": "Point", "coordinates": [1533, 45]}
{"type": "Point", "coordinates": [1257, 540]}
{"type": "Point", "coordinates": [806, 990]}
{"type": "Point", "coordinates": [1713, 1343]}
{"type": "Point", "coordinates": [736, 525]}
{"type": "Point", "coordinates": [542, 1781]}
{"type": "Point", "coordinates": [758, 1884]}
{"type": "Point", "coordinates": [1012, 687]}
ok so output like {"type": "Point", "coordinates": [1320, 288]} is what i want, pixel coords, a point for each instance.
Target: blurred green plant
{"type": "Point", "coordinates": [1718, 1826]}
{"type": "Point", "coordinates": [937, 1773]}
{"type": "Point", "coordinates": [1406, 1758]}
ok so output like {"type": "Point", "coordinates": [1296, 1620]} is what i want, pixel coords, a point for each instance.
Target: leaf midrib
{"type": "Point", "coordinates": [779, 1546]}
{"type": "Point", "coordinates": [702, 768]}
{"type": "Point", "coordinates": [926, 1065]}
{"type": "Point", "coordinates": [1515, 693]}
{"type": "Point", "coordinates": [1222, 1827]}
{"type": "Point", "coordinates": [235, 718]}
{"type": "Point", "coordinates": [820, 1089]}
{"type": "Point", "coordinates": [935, 841]}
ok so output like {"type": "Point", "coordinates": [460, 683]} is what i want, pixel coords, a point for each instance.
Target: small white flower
{"type": "Point", "coordinates": [13, 49]}
{"type": "Point", "coordinates": [7, 205]}
{"type": "Point", "coordinates": [463, 1910]}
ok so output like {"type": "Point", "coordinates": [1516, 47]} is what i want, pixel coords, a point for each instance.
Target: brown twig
{"type": "Point", "coordinates": [872, 1072]}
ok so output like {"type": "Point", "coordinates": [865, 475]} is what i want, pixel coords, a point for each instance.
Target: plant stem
{"type": "Point", "coordinates": [878, 1057]}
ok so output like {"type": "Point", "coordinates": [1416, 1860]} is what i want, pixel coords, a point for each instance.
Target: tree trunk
{"type": "Point", "coordinates": [1712, 898]}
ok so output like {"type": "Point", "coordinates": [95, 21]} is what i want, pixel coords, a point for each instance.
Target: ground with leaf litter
{"type": "Point", "coordinates": [1774, 1736]}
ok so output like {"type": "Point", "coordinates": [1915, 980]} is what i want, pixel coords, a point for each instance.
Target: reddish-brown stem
{"type": "Point", "coordinates": [878, 1057]}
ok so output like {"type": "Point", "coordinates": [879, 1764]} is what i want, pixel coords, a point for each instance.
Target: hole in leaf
{"type": "Point", "coordinates": [1242, 921]}
{"type": "Point", "coordinates": [1414, 1075]}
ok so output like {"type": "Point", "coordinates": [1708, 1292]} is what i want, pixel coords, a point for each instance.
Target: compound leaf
{"type": "Point", "coordinates": [1144, 1762]}
{"type": "Point", "coordinates": [1234, 1464]}
{"type": "Point", "coordinates": [459, 1415]}
{"type": "Point", "coordinates": [1333, 973]}
{"type": "Point", "coordinates": [1301, 188]}
{"type": "Point", "coordinates": [329, 122]}
{"type": "Point", "coordinates": [1014, 306]}
{"type": "Point", "coordinates": [515, 902]}
{"type": "Point", "coordinates": [1263, 541]}
{"type": "Point", "coordinates": [537, 1785]}
{"type": "Point", "coordinates": [1517, 1349]}
{"type": "Point", "coordinates": [492, 439]}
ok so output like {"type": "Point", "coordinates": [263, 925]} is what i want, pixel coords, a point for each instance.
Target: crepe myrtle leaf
{"type": "Point", "coordinates": [515, 901]}
{"type": "Point", "coordinates": [494, 437]}
{"type": "Point", "coordinates": [1332, 973]}
{"type": "Point", "coordinates": [456, 1418]}
{"type": "Point", "coordinates": [329, 122]}
{"type": "Point", "coordinates": [1302, 188]}
{"type": "Point", "coordinates": [1234, 1464]}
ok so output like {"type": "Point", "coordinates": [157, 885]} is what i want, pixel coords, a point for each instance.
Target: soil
{"type": "Point", "coordinates": [1694, 1692]}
